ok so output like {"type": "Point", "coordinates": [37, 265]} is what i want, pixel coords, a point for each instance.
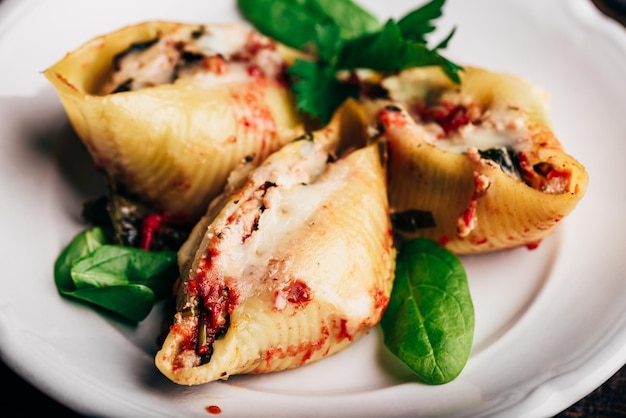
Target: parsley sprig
{"type": "Point", "coordinates": [343, 37]}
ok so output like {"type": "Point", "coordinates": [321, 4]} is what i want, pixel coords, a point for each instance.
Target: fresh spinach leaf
{"type": "Point", "coordinates": [291, 22]}
{"type": "Point", "coordinates": [115, 265]}
{"type": "Point", "coordinates": [132, 302]}
{"type": "Point", "coordinates": [81, 245]}
{"type": "Point", "coordinates": [121, 279]}
{"type": "Point", "coordinates": [429, 322]}
{"type": "Point", "coordinates": [294, 22]}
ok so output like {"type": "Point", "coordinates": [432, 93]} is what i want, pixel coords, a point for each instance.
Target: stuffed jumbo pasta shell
{"type": "Point", "coordinates": [169, 109]}
{"type": "Point", "coordinates": [475, 167]}
{"type": "Point", "coordinates": [291, 264]}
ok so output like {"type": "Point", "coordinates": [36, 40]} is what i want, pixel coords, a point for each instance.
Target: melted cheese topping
{"type": "Point", "coordinates": [457, 118]}
{"type": "Point", "coordinates": [279, 223]}
{"type": "Point", "coordinates": [262, 224]}
{"type": "Point", "coordinates": [279, 197]}
{"type": "Point", "coordinates": [286, 206]}
{"type": "Point", "coordinates": [223, 41]}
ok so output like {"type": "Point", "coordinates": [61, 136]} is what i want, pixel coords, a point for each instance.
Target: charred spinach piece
{"type": "Point", "coordinates": [129, 220]}
{"type": "Point", "coordinates": [505, 157]}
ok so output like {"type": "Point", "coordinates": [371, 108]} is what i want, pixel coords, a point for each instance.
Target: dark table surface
{"type": "Point", "coordinates": [607, 401]}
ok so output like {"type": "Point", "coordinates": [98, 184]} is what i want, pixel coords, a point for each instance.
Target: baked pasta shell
{"type": "Point", "coordinates": [462, 200]}
{"type": "Point", "coordinates": [171, 144]}
{"type": "Point", "coordinates": [324, 282]}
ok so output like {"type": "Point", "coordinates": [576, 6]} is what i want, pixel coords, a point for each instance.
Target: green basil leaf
{"type": "Point", "coordinates": [418, 23]}
{"type": "Point", "coordinates": [132, 302]}
{"type": "Point", "coordinates": [429, 322]}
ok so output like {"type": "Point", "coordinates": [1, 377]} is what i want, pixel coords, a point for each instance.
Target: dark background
{"type": "Point", "coordinates": [608, 401]}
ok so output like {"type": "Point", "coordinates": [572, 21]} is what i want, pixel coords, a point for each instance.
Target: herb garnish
{"type": "Point", "coordinates": [344, 37]}
{"type": "Point", "coordinates": [429, 322]}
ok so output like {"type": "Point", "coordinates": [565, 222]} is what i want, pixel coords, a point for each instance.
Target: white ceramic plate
{"type": "Point", "coordinates": [550, 323]}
